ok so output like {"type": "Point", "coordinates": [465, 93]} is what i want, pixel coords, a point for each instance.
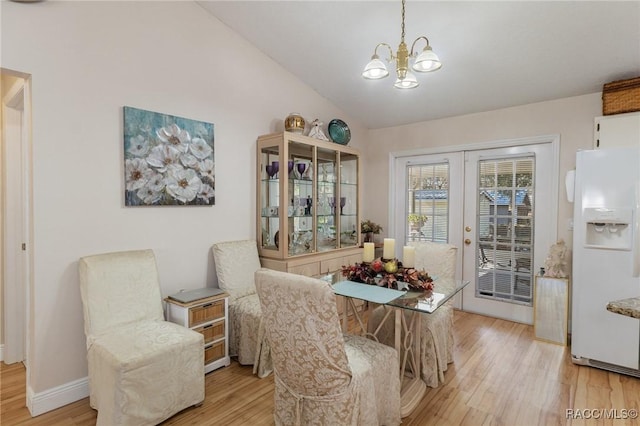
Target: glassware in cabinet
{"type": "Point", "coordinates": [326, 200]}
{"type": "Point", "coordinates": [269, 196]}
{"type": "Point", "coordinates": [301, 195]}
{"type": "Point", "coordinates": [348, 202]}
{"type": "Point", "coordinates": [308, 201]}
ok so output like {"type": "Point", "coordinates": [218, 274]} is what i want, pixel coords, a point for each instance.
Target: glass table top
{"type": "Point", "coordinates": [422, 301]}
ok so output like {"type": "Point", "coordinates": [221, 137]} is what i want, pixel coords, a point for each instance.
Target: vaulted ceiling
{"type": "Point", "coordinates": [495, 54]}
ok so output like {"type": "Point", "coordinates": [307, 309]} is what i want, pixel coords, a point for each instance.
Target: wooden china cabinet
{"type": "Point", "coordinates": [308, 204]}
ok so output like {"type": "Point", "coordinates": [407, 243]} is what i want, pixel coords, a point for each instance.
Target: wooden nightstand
{"type": "Point", "coordinates": [208, 316]}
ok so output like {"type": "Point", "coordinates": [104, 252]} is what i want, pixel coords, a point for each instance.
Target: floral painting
{"type": "Point", "coordinates": [168, 160]}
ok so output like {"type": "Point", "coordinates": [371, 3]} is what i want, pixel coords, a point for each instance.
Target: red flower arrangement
{"type": "Point", "coordinates": [388, 273]}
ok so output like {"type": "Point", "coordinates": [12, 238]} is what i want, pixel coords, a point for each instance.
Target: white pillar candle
{"type": "Point", "coordinates": [368, 253]}
{"type": "Point", "coordinates": [408, 256]}
{"type": "Point", "coordinates": [389, 248]}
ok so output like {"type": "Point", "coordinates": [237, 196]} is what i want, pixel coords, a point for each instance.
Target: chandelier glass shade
{"type": "Point", "coordinates": [425, 61]}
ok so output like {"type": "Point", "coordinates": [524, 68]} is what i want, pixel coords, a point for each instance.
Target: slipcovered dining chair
{"type": "Point", "coordinates": [323, 377]}
{"type": "Point", "coordinates": [436, 340]}
{"type": "Point", "coordinates": [236, 263]}
{"type": "Point", "coordinates": [142, 369]}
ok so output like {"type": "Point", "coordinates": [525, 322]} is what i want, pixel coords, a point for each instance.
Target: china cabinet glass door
{"type": "Point", "coordinates": [347, 204]}
{"type": "Point", "coordinates": [326, 211]}
{"type": "Point", "coordinates": [301, 197]}
{"type": "Point", "coordinates": [269, 202]}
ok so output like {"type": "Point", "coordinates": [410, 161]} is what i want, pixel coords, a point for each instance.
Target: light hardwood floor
{"type": "Point", "coordinates": [500, 376]}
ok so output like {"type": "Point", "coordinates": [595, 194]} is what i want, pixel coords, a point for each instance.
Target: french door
{"type": "Point", "coordinates": [497, 205]}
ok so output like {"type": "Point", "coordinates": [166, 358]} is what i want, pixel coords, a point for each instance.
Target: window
{"type": "Point", "coordinates": [505, 223]}
{"type": "Point", "coordinates": [427, 202]}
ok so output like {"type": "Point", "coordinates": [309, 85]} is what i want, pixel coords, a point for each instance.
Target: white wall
{"type": "Point", "coordinates": [571, 118]}
{"type": "Point", "coordinates": [87, 61]}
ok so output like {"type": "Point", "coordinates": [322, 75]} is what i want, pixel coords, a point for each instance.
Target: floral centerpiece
{"type": "Point", "coordinates": [388, 273]}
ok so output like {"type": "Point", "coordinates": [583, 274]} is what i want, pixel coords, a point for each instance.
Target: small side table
{"type": "Point", "coordinates": [208, 316]}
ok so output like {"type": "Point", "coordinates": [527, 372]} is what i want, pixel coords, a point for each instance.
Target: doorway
{"type": "Point", "coordinates": [16, 216]}
{"type": "Point", "coordinates": [497, 203]}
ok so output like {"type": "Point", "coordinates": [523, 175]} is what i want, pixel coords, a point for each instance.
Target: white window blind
{"type": "Point", "coordinates": [427, 201]}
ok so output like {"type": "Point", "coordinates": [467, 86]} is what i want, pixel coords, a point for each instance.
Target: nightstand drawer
{"type": "Point", "coordinates": [207, 316]}
{"type": "Point", "coordinates": [207, 312]}
{"type": "Point", "coordinates": [214, 352]}
{"type": "Point", "coordinates": [211, 332]}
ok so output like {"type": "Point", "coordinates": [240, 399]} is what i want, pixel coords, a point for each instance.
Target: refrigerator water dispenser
{"type": "Point", "coordinates": [608, 228]}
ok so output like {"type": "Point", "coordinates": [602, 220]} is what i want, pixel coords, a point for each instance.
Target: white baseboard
{"type": "Point", "coordinates": [1, 353]}
{"type": "Point", "coordinates": [42, 402]}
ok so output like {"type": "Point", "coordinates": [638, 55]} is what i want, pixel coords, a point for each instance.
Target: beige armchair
{"type": "Point", "coordinates": [323, 377]}
{"type": "Point", "coordinates": [142, 369]}
{"type": "Point", "coordinates": [436, 340]}
{"type": "Point", "coordinates": [236, 263]}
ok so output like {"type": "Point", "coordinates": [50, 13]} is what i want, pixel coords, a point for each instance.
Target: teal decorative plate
{"type": "Point", "coordinates": [339, 131]}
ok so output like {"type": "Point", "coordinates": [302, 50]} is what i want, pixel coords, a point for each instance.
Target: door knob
{"type": "Point", "coordinates": [467, 241]}
{"type": "Point", "coordinates": [468, 229]}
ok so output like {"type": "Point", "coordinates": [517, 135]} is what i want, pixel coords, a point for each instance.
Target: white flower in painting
{"type": "Point", "coordinates": [207, 169]}
{"type": "Point", "coordinates": [137, 173]}
{"type": "Point", "coordinates": [148, 195]}
{"type": "Point", "coordinates": [200, 148]}
{"type": "Point", "coordinates": [163, 156]}
{"type": "Point", "coordinates": [138, 146]}
{"type": "Point", "coordinates": [183, 185]}
{"type": "Point", "coordinates": [189, 161]}
{"type": "Point", "coordinates": [174, 136]}
{"type": "Point", "coordinates": [172, 169]}
{"type": "Point", "coordinates": [156, 182]}
{"type": "Point", "coordinates": [206, 193]}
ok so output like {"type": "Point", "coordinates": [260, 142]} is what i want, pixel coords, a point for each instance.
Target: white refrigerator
{"type": "Point", "coordinates": [606, 258]}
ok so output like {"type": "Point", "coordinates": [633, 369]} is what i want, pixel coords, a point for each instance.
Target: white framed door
{"type": "Point", "coordinates": [510, 221]}
{"type": "Point", "coordinates": [510, 258]}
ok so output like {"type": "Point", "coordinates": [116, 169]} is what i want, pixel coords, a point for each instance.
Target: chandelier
{"type": "Point", "coordinates": [426, 61]}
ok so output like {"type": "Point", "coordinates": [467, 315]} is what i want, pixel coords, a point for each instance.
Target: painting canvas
{"type": "Point", "coordinates": [168, 160]}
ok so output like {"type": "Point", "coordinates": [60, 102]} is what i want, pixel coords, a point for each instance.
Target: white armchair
{"type": "Point", "coordinates": [142, 369]}
{"type": "Point", "coordinates": [436, 340]}
{"type": "Point", "coordinates": [236, 263]}
{"type": "Point", "coordinates": [323, 377]}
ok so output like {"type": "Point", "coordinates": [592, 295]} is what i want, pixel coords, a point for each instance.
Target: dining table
{"type": "Point", "coordinates": [407, 328]}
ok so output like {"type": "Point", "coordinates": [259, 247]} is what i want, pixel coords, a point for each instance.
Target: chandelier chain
{"type": "Point", "coordinates": [402, 35]}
